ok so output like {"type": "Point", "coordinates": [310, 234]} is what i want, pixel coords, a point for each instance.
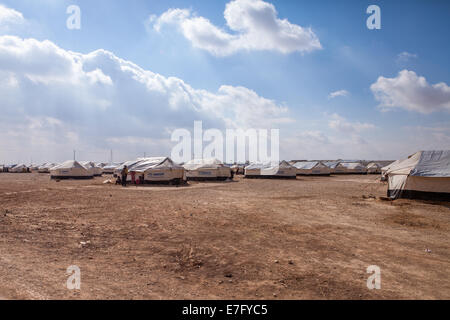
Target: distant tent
{"type": "Point", "coordinates": [373, 168]}
{"type": "Point", "coordinates": [109, 168]}
{"type": "Point", "coordinates": [158, 169]}
{"type": "Point", "coordinates": [312, 168]}
{"type": "Point", "coordinates": [33, 167]}
{"type": "Point", "coordinates": [20, 168]}
{"type": "Point", "coordinates": [206, 169]}
{"type": "Point", "coordinates": [268, 170]}
{"type": "Point", "coordinates": [70, 170]}
{"type": "Point", "coordinates": [424, 175]}
{"type": "Point", "coordinates": [45, 168]}
{"type": "Point", "coordinates": [335, 166]}
{"type": "Point", "coordinates": [92, 168]}
{"type": "Point", "coordinates": [353, 168]}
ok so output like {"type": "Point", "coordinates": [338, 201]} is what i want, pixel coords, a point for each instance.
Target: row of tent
{"type": "Point", "coordinates": [309, 168]}
{"type": "Point", "coordinates": [425, 174]}
{"type": "Point", "coordinates": [199, 169]}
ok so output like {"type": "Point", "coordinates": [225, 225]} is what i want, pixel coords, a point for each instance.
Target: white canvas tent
{"type": "Point", "coordinates": [335, 167]}
{"type": "Point", "coordinates": [424, 175]}
{"type": "Point", "coordinates": [353, 168]}
{"type": "Point", "coordinates": [373, 168]}
{"type": "Point", "coordinates": [268, 170]}
{"type": "Point", "coordinates": [158, 169]}
{"type": "Point", "coordinates": [92, 168]}
{"type": "Point", "coordinates": [155, 169]}
{"type": "Point", "coordinates": [70, 170]}
{"type": "Point", "coordinates": [312, 168]}
{"type": "Point", "coordinates": [45, 168]}
{"type": "Point", "coordinates": [206, 169]}
{"type": "Point", "coordinates": [20, 168]}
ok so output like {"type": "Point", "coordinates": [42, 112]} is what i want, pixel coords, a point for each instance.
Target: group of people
{"type": "Point", "coordinates": [122, 179]}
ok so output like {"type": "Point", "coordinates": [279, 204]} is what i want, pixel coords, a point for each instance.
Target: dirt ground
{"type": "Point", "coordinates": [310, 238]}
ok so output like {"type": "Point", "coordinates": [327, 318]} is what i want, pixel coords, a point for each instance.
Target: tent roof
{"type": "Point", "coordinates": [203, 163]}
{"type": "Point", "coordinates": [435, 163]}
{"type": "Point", "coordinates": [352, 165]}
{"type": "Point", "coordinates": [306, 165]}
{"type": "Point", "coordinates": [143, 164]}
{"type": "Point", "coordinates": [331, 164]}
{"type": "Point", "coordinates": [283, 164]}
{"type": "Point", "coordinates": [69, 165]}
{"type": "Point", "coordinates": [373, 165]}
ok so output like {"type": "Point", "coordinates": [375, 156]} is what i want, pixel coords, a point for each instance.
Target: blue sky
{"type": "Point", "coordinates": [355, 124]}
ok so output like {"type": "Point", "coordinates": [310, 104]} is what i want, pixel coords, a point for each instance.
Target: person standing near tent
{"type": "Point", "coordinates": [133, 177]}
{"type": "Point", "coordinates": [124, 175]}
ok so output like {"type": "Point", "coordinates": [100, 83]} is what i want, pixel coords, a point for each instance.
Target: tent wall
{"type": "Point", "coordinates": [164, 175]}
{"type": "Point", "coordinates": [209, 173]}
{"type": "Point", "coordinates": [72, 173]}
{"type": "Point", "coordinates": [402, 186]}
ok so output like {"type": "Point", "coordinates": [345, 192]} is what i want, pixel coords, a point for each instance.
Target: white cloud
{"type": "Point", "coordinates": [405, 57]}
{"type": "Point", "coordinates": [255, 25]}
{"type": "Point", "coordinates": [8, 15]}
{"type": "Point", "coordinates": [339, 93]}
{"type": "Point", "coordinates": [342, 125]}
{"type": "Point", "coordinates": [411, 92]}
{"type": "Point", "coordinates": [49, 93]}
{"type": "Point", "coordinates": [9, 19]}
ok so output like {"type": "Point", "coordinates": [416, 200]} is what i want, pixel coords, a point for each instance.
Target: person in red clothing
{"type": "Point", "coordinates": [133, 177]}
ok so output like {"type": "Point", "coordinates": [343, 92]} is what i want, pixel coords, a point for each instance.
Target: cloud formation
{"type": "Point", "coordinates": [9, 18]}
{"type": "Point", "coordinates": [411, 92]}
{"type": "Point", "coordinates": [339, 93]}
{"type": "Point", "coordinates": [405, 56]}
{"type": "Point", "coordinates": [254, 24]}
{"type": "Point", "coordinates": [92, 100]}
{"type": "Point", "coordinates": [344, 126]}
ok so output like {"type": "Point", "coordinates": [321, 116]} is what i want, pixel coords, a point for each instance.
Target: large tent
{"type": "Point", "coordinates": [159, 169]}
{"type": "Point", "coordinates": [269, 170]}
{"type": "Point", "coordinates": [206, 169]}
{"type": "Point", "coordinates": [92, 168]}
{"type": "Point", "coordinates": [424, 175]}
{"type": "Point", "coordinates": [312, 168]}
{"type": "Point", "coordinates": [70, 170]}
{"type": "Point", "coordinates": [156, 169]}
{"type": "Point", "coordinates": [373, 168]}
{"type": "Point", "coordinates": [20, 168]}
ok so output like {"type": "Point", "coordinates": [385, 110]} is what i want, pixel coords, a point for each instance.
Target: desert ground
{"type": "Point", "coordinates": [310, 238]}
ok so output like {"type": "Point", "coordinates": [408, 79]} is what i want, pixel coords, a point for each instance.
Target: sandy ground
{"type": "Point", "coordinates": [310, 238]}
